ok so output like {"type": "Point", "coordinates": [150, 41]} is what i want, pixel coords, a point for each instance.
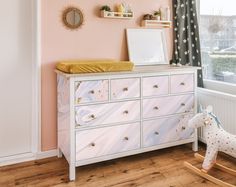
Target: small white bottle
{"type": "Point", "coordinates": [167, 14]}
{"type": "Point", "coordinates": [163, 14]}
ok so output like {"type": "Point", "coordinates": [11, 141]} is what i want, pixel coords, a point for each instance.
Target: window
{"type": "Point", "coordinates": [218, 39]}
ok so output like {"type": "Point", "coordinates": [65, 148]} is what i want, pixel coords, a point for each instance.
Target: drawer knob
{"type": "Point", "coordinates": [126, 138]}
{"type": "Point", "coordinates": [77, 86]}
{"type": "Point", "coordinates": [92, 144]}
{"type": "Point", "coordinates": [77, 126]}
{"type": "Point", "coordinates": [125, 89]}
{"type": "Point", "coordinates": [92, 92]}
{"type": "Point", "coordinates": [155, 86]}
{"type": "Point", "coordinates": [182, 84]}
{"type": "Point", "coordinates": [78, 99]}
{"type": "Point", "coordinates": [156, 133]}
{"type": "Point", "coordinates": [182, 104]}
{"type": "Point", "coordinates": [92, 116]}
{"type": "Point", "coordinates": [156, 108]}
{"type": "Point", "coordinates": [126, 112]}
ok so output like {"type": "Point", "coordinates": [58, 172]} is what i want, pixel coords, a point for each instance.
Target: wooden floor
{"type": "Point", "coordinates": [163, 168]}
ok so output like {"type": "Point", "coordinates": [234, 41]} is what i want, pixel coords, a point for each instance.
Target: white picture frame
{"type": "Point", "coordinates": [147, 46]}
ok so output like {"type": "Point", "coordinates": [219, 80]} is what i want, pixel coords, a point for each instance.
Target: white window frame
{"type": "Point", "coordinates": [209, 81]}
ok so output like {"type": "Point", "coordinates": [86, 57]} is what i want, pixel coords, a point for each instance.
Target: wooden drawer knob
{"type": "Point", "coordinates": [126, 112]}
{"type": "Point", "coordinates": [77, 125]}
{"type": "Point", "coordinates": [155, 86]}
{"type": "Point", "coordinates": [79, 99]}
{"type": "Point", "coordinates": [125, 89]}
{"type": "Point", "coordinates": [78, 85]}
{"type": "Point", "coordinates": [92, 116]}
{"type": "Point", "coordinates": [156, 133]}
{"type": "Point", "coordinates": [92, 92]}
{"type": "Point", "coordinates": [182, 104]}
{"type": "Point", "coordinates": [126, 138]}
{"type": "Point", "coordinates": [156, 108]}
{"type": "Point", "coordinates": [182, 84]}
{"type": "Point", "coordinates": [92, 144]}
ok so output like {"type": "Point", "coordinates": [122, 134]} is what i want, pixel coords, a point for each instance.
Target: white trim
{"type": "Point", "coordinates": [35, 81]}
{"type": "Point", "coordinates": [16, 159]}
{"type": "Point", "coordinates": [72, 165]}
{"type": "Point", "coordinates": [38, 63]}
{"type": "Point", "coordinates": [224, 87]}
{"type": "Point", "coordinates": [46, 154]}
{"type": "Point", "coordinates": [217, 94]}
{"type": "Point", "coordinates": [36, 86]}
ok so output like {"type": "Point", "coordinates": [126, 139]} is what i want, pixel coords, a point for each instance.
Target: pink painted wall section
{"type": "Point", "coordinates": [98, 38]}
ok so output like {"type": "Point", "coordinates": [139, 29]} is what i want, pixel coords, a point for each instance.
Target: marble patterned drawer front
{"type": "Point", "coordinates": [154, 86]}
{"type": "Point", "coordinates": [125, 88]}
{"type": "Point", "coordinates": [168, 105]}
{"type": "Point", "coordinates": [91, 91]}
{"type": "Point", "coordinates": [166, 130]}
{"type": "Point", "coordinates": [106, 141]}
{"type": "Point", "coordinates": [107, 113]}
{"type": "Point", "coordinates": [182, 83]}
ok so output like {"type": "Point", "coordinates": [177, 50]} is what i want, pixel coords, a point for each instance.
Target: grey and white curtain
{"type": "Point", "coordinates": [186, 35]}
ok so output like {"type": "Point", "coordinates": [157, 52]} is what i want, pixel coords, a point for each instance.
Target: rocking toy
{"type": "Point", "coordinates": [217, 139]}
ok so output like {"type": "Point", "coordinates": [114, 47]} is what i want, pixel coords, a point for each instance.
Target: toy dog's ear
{"type": "Point", "coordinates": [209, 109]}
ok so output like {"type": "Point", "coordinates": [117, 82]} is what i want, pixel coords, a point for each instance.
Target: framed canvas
{"type": "Point", "coordinates": [147, 46]}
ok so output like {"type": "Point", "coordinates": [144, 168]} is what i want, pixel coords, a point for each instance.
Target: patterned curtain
{"type": "Point", "coordinates": [186, 35]}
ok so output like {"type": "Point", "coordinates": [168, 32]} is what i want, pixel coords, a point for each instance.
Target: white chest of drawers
{"type": "Point", "coordinates": [111, 115]}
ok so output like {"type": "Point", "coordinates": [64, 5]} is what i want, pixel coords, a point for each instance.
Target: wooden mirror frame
{"type": "Point", "coordinates": [65, 22]}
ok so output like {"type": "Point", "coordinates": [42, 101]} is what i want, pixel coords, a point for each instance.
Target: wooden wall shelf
{"type": "Point", "coordinates": [156, 23]}
{"type": "Point", "coordinates": [116, 15]}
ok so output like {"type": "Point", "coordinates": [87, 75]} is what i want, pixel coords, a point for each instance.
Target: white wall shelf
{"type": "Point", "coordinates": [117, 15]}
{"type": "Point", "coordinates": [156, 23]}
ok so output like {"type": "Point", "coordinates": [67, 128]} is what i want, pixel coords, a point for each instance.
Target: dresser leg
{"type": "Point", "coordinates": [72, 172]}
{"type": "Point", "coordinates": [59, 153]}
{"type": "Point", "coordinates": [195, 146]}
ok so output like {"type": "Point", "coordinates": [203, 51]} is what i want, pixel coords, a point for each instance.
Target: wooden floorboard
{"type": "Point", "coordinates": [162, 168]}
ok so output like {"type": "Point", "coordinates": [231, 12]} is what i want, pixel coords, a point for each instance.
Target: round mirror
{"type": "Point", "coordinates": [72, 18]}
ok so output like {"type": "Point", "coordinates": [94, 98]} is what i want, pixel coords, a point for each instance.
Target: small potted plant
{"type": "Point", "coordinates": [157, 15]}
{"type": "Point", "coordinates": [106, 10]}
{"type": "Point", "coordinates": [147, 17]}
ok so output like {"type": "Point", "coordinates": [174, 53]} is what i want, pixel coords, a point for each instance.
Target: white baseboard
{"type": "Point", "coordinates": [46, 154]}
{"type": "Point", "coordinates": [16, 159]}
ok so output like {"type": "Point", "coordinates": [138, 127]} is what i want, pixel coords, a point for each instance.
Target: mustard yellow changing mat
{"type": "Point", "coordinates": [92, 66]}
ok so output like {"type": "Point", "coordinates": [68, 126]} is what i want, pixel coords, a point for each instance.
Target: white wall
{"type": "Point", "coordinates": [16, 78]}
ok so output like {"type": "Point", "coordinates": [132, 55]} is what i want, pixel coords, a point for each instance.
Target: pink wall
{"type": "Point", "coordinates": [98, 38]}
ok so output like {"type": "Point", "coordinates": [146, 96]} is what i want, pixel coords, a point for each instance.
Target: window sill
{"type": "Point", "coordinates": [219, 86]}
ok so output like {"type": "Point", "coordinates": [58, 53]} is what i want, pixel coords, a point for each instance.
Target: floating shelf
{"type": "Point", "coordinates": [116, 15]}
{"type": "Point", "coordinates": [156, 23]}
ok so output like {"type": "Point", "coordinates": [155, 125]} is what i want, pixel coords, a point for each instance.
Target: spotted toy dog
{"type": "Point", "coordinates": [217, 138]}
